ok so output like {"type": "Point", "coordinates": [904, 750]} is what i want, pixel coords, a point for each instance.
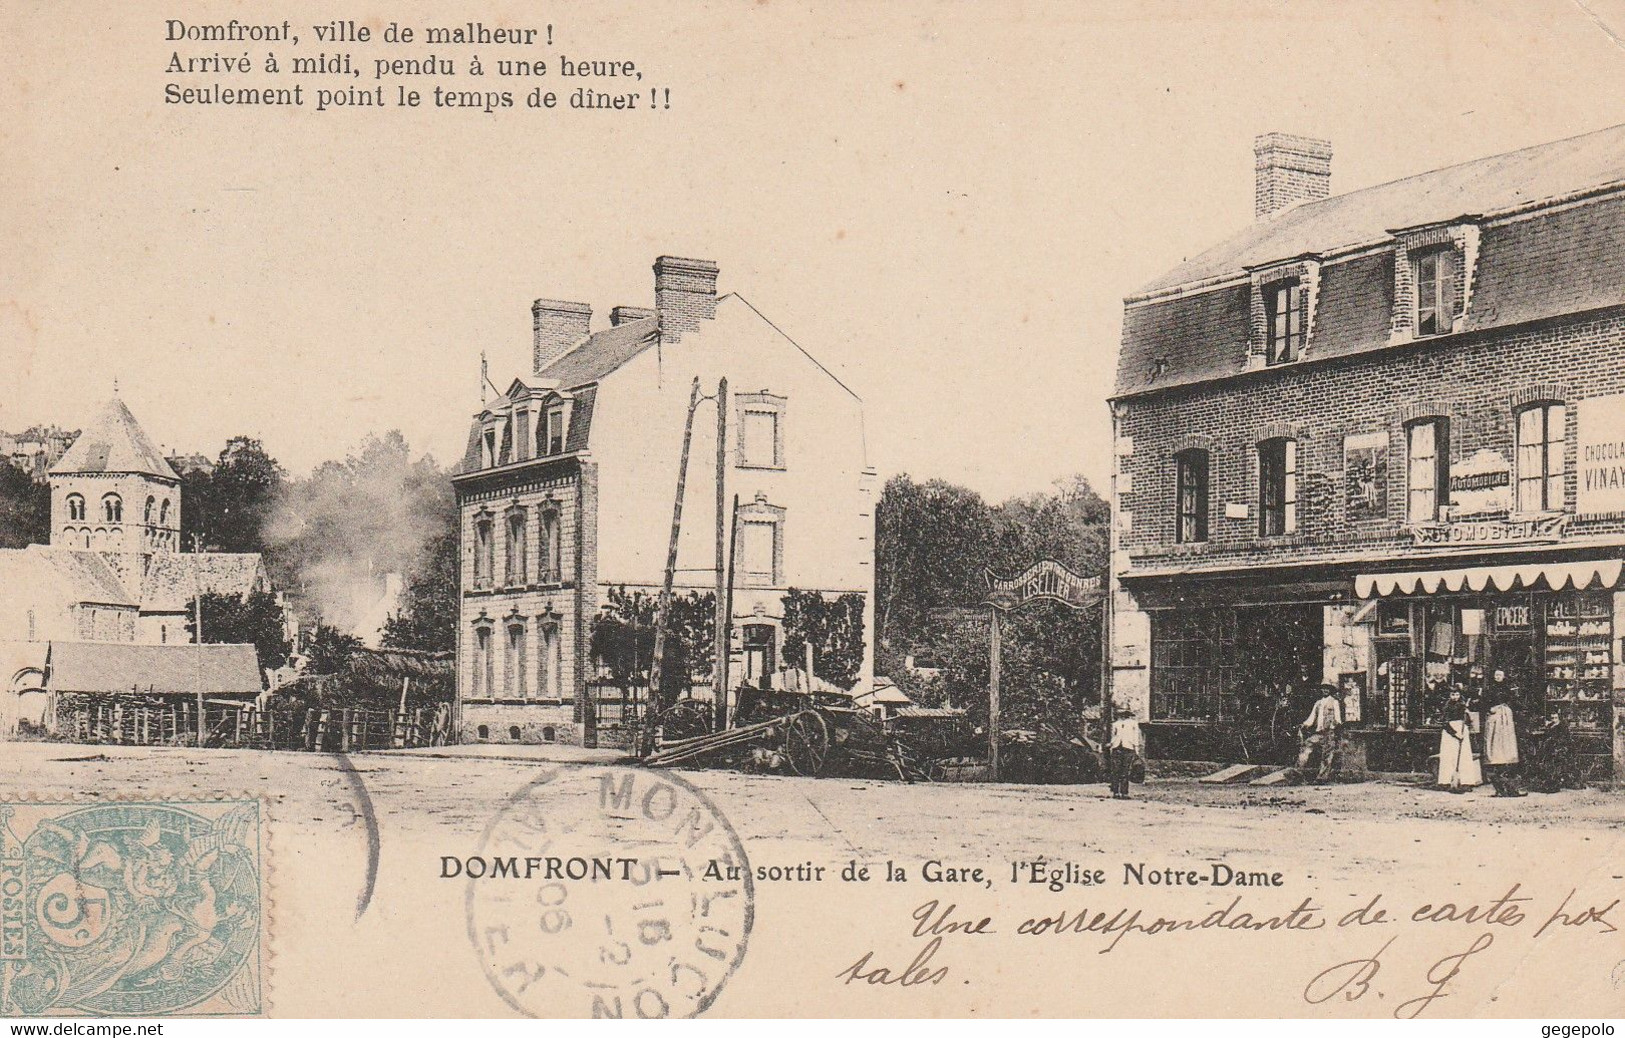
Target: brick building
{"type": "Point", "coordinates": [565, 496]}
{"type": "Point", "coordinates": [1378, 440]}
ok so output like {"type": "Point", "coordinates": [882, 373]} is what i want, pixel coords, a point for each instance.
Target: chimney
{"type": "Point", "coordinates": [685, 293]}
{"type": "Point", "coordinates": [623, 314]}
{"type": "Point", "coordinates": [559, 325]}
{"type": "Point", "coordinates": [1289, 169]}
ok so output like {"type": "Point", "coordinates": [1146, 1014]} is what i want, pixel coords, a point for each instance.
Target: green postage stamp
{"type": "Point", "coordinates": [132, 908]}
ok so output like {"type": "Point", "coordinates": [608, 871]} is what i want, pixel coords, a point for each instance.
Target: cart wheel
{"type": "Point", "coordinates": [685, 719]}
{"type": "Point", "coordinates": [806, 743]}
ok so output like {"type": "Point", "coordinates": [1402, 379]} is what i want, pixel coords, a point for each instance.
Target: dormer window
{"type": "Point", "coordinates": [1435, 278]}
{"type": "Point", "coordinates": [550, 432]}
{"type": "Point", "coordinates": [490, 447]}
{"type": "Point", "coordinates": [1283, 312]}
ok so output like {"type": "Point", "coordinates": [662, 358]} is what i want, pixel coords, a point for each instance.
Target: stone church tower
{"type": "Point", "coordinates": [113, 493]}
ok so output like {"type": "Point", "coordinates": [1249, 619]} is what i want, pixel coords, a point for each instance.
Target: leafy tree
{"type": "Point", "coordinates": [25, 508]}
{"type": "Point", "coordinates": [329, 649]}
{"type": "Point", "coordinates": [931, 551]}
{"type": "Point", "coordinates": [232, 506]}
{"type": "Point", "coordinates": [254, 619]}
{"type": "Point", "coordinates": [623, 640]}
{"type": "Point", "coordinates": [835, 628]}
{"type": "Point", "coordinates": [427, 619]}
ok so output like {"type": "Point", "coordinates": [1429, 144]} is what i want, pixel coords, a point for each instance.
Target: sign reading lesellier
{"type": "Point", "coordinates": [1600, 479]}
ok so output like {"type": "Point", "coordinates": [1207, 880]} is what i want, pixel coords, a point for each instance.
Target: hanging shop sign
{"type": "Point", "coordinates": [1600, 481]}
{"type": "Point", "coordinates": [1493, 531]}
{"type": "Point", "coordinates": [1045, 580]}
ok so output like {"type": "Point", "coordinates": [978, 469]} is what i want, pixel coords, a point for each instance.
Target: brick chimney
{"type": "Point", "coordinates": [1289, 169]}
{"type": "Point", "coordinates": [685, 293]}
{"type": "Point", "coordinates": [624, 314]}
{"type": "Point", "coordinates": [559, 325]}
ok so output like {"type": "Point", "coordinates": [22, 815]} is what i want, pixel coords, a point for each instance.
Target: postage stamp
{"type": "Point", "coordinates": [151, 908]}
{"type": "Point", "coordinates": [608, 892]}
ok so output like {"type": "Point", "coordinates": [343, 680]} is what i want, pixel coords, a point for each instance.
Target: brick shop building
{"type": "Point", "coordinates": [1378, 440]}
{"type": "Point", "coordinates": [565, 498]}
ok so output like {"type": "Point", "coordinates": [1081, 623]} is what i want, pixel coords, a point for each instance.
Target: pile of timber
{"type": "Point", "coordinates": [681, 751]}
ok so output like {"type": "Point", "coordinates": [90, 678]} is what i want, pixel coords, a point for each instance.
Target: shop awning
{"type": "Point", "coordinates": [1550, 576]}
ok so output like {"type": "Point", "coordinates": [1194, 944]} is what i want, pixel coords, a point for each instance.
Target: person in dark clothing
{"type": "Point", "coordinates": [1552, 765]}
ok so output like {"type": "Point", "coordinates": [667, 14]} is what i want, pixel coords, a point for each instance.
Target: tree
{"type": "Point", "coordinates": [623, 640]}
{"type": "Point", "coordinates": [329, 649]}
{"type": "Point", "coordinates": [427, 619]}
{"type": "Point", "coordinates": [835, 628]}
{"type": "Point", "coordinates": [238, 498]}
{"type": "Point", "coordinates": [25, 508]}
{"type": "Point", "coordinates": [254, 619]}
{"type": "Point", "coordinates": [931, 549]}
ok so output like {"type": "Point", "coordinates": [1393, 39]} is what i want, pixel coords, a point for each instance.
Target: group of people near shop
{"type": "Point", "coordinates": [1483, 735]}
{"type": "Point", "coordinates": [1486, 734]}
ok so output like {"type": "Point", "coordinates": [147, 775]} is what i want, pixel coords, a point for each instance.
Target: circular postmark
{"type": "Point", "coordinates": [617, 892]}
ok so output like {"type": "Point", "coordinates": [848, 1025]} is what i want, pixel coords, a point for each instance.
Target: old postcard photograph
{"type": "Point", "coordinates": [799, 509]}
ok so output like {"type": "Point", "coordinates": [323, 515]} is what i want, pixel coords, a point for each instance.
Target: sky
{"type": "Point", "coordinates": [944, 202]}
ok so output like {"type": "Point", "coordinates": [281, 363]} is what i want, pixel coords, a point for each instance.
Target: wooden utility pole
{"type": "Point", "coordinates": [993, 697]}
{"type": "Point", "coordinates": [663, 608]}
{"type": "Point", "coordinates": [719, 666]}
{"type": "Point", "coordinates": [197, 635]}
{"type": "Point", "coordinates": [728, 609]}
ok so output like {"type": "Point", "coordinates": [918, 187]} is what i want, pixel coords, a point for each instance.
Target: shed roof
{"type": "Point", "coordinates": [153, 669]}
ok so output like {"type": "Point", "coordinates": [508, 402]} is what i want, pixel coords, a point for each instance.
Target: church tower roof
{"type": "Point", "coordinates": [114, 442]}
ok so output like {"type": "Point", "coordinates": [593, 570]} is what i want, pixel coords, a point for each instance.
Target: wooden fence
{"type": "Point", "coordinates": [229, 723]}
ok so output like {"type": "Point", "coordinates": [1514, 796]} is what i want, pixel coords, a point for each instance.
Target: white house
{"type": "Point", "coordinates": [567, 486]}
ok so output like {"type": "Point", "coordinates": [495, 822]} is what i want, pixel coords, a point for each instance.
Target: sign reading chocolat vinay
{"type": "Point", "coordinates": [1043, 580]}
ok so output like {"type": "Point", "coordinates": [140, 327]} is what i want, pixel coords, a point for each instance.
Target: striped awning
{"type": "Point", "coordinates": [1550, 576]}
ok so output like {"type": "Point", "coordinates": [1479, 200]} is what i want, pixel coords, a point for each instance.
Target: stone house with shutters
{"type": "Point", "coordinates": [565, 494]}
{"type": "Point", "coordinates": [1377, 440]}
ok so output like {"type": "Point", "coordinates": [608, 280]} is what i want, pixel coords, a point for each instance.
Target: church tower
{"type": "Point", "coordinates": [114, 493]}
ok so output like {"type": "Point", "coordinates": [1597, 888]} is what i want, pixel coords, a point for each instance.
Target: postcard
{"type": "Point", "coordinates": [825, 510]}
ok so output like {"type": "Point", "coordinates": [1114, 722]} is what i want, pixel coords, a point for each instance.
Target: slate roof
{"type": "Point", "coordinates": [1482, 186]}
{"type": "Point", "coordinates": [1539, 265]}
{"type": "Point", "coordinates": [114, 442]}
{"type": "Point", "coordinates": [601, 353]}
{"type": "Point", "coordinates": [173, 578]}
{"type": "Point", "coordinates": [231, 670]}
{"type": "Point", "coordinates": [77, 576]}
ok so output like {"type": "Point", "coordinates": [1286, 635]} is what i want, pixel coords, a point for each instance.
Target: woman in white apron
{"type": "Point", "coordinates": [1458, 764]}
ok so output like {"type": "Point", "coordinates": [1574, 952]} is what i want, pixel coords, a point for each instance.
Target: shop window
{"type": "Point", "coordinates": [76, 508]}
{"type": "Point", "coordinates": [484, 562]}
{"type": "Point", "coordinates": [1191, 489]}
{"type": "Point", "coordinates": [1428, 470]}
{"type": "Point", "coordinates": [514, 562]}
{"type": "Point", "coordinates": [1283, 310]}
{"type": "Point", "coordinates": [1434, 275]}
{"type": "Point", "coordinates": [1541, 436]}
{"type": "Point", "coordinates": [1277, 487]}
{"type": "Point", "coordinates": [1193, 660]}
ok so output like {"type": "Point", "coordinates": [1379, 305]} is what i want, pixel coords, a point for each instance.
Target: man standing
{"type": "Point", "coordinates": [1127, 743]}
{"type": "Point", "coordinates": [1321, 726]}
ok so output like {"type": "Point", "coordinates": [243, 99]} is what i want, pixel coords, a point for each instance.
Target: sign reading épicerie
{"type": "Point", "coordinates": [1047, 579]}
{"type": "Point", "coordinates": [1600, 482]}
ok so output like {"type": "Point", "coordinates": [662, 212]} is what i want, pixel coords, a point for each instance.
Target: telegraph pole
{"type": "Point", "coordinates": [993, 696]}
{"type": "Point", "coordinates": [197, 634]}
{"type": "Point", "coordinates": [663, 608]}
{"type": "Point", "coordinates": [719, 668]}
